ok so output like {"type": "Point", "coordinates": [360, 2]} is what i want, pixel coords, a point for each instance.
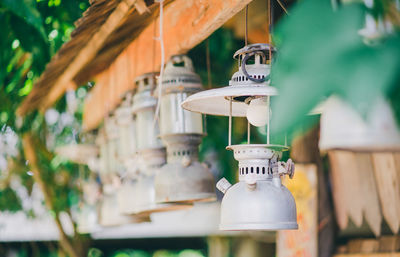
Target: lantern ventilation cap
{"type": "Point", "coordinates": [144, 98]}
{"type": "Point", "coordinates": [179, 76]}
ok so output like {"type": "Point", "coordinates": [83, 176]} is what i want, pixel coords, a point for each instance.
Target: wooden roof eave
{"type": "Point", "coordinates": [87, 41]}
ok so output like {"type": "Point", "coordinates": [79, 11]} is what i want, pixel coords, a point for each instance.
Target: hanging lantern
{"type": "Point", "coordinates": [126, 129]}
{"type": "Point", "coordinates": [258, 201]}
{"type": "Point", "coordinates": [126, 191]}
{"type": "Point", "coordinates": [342, 127]}
{"type": "Point", "coordinates": [85, 213]}
{"type": "Point", "coordinates": [103, 164]}
{"type": "Point", "coordinates": [183, 178]}
{"type": "Point", "coordinates": [151, 151]}
{"type": "Point", "coordinates": [112, 138]}
{"type": "Point", "coordinates": [109, 209]}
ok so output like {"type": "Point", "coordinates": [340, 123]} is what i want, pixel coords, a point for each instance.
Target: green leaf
{"type": "Point", "coordinates": [320, 52]}
{"type": "Point", "coordinates": [26, 10]}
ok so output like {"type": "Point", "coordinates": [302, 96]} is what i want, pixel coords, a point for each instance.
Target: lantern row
{"type": "Point", "coordinates": [157, 157]}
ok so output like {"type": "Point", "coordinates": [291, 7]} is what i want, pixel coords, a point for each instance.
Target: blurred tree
{"type": "Point", "coordinates": [32, 31]}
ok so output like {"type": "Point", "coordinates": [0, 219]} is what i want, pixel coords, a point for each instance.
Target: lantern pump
{"type": "Point", "coordinates": [183, 178]}
{"type": "Point", "coordinates": [259, 201]}
{"type": "Point", "coordinates": [151, 151]}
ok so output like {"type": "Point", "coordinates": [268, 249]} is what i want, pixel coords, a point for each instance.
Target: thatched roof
{"type": "Point", "coordinates": [105, 29]}
{"type": "Point", "coordinates": [113, 43]}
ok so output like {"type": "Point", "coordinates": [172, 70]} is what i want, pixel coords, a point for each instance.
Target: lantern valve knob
{"type": "Point", "coordinates": [223, 185]}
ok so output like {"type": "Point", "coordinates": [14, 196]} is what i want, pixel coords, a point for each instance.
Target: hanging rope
{"type": "Point", "coordinates": [208, 63]}
{"type": "Point", "coordinates": [161, 39]}
{"type": "Point", "coordinates": [283, 7]}
{"type": "Point", "coordinates": [245, 28]}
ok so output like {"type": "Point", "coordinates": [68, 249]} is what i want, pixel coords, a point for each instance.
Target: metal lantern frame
{"type": "Point", "coordinates": [258, 201]}
{"type": "Point", "coordinates": [151, 152]}
{"type": "Point", "coordinates": [126, 129]}
{"type": "Point", "coordinates": [183, 179]}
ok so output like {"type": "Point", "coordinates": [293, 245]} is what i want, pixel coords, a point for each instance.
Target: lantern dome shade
{"type": "Point", "coordinates": [110, 216]}
{"type": "Point", "coordinates": [267, 207]}
{"type": "Point", "coordinates": [180, 182]}
{"type": "Point", "coordinates": [342, 127]}
{"type": "Point", "coordinates": [78, 153]}
{"type": "Point", "coordinates": [216, 101]}
{"type": "Point", "coordinates": [249, 82]}
{"type": "Point", "coordinates": [146, 203]}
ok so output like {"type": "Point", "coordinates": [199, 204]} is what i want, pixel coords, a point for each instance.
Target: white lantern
{"type": "Point", "coordinates": [183, 178]}
{"type": "Point", "coordinates": [103, 163]}
{"type": "Point", "coordinates": [126, 129]}
{"type": "Point", "coordinates": [85, 213]}
{"type": "Point", "coordinates": [258, 201]}
{"type": "Point", "coordinates": [109, 210]}
{"type": "Point", "coordinates": [112, 138]}
{"type": "Point", "coordinates": [151, 152]}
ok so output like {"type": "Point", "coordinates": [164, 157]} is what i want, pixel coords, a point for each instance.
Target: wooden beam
{"type": "Point", "coordinates": [186, 24]}
{"type": "Point", "coordinates": [84, 56]}
{"type": "Point", "coordinates": [370, 200]}
{"type": "Point", "coordinates": [388, 185]}
{"type": "Point", "coordinates": [368, 255]}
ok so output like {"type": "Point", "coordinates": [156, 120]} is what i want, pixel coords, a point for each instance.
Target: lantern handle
{"type": "Point", "coordinates": [245, 59]}
{"type": "Point", "coordinates": [181, 58]}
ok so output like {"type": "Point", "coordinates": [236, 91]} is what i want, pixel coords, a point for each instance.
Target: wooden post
{"type": "Point", "coordinates": [305, 151]}
{"type": "Point", "coordinates": [388, 187]}
{"type": "Point", "coordinates": [369, 193]}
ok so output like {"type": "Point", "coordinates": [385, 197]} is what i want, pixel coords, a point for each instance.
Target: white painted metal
{"type": "Point", "coordinates": [110, 215]}
{"type": "Point", "coordinates": [216, 101]}
{"type": "Point", "coordinates": [151, 151]}
{"type": "Point", "coordinates": [112, 138]}
{"type": "Point", "coordinates": [342, 127]}
{"type": "Point", "coordinates": [144, 105]}
{"type": "Point", "coordinates": [126, 129]}
{"type": "Point", "coordinates": [183, 179]}
{"type": "Point", "coordinates": [78, 153]}
{"type": "Point", "coordinates": [258, 201]}
{"type": "Point", "coordinates": [179, 82]}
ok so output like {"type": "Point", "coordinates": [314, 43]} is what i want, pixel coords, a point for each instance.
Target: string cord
{"type": "Point", "coordinates": [160, 78]}
{"type": "Point", "coordinates": [283, 7]}
{"type": "Point", "coordinates": [246, 26]}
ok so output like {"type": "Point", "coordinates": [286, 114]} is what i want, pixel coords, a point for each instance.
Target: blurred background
{"type": "Point", "coordinates": [337, 71]}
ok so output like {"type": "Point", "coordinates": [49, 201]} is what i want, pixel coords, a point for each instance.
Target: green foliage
{"type": "Point", "coordinates": [9, 201]}
{"type": "Point", "coordinates": [94, 252]}
{"type": "Point", "coordinates": [321, 53]}
{"type": "Point", "coordinates": [221, 46]}
{"type": "Point", "coordinates": [27, 11]}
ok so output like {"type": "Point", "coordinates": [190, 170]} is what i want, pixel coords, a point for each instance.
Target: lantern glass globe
{"type": "Point", "coordinates": [258, 112]}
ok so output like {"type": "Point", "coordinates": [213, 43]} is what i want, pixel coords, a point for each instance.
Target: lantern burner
{"type": "Point", "coordinates": [260, 174]}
